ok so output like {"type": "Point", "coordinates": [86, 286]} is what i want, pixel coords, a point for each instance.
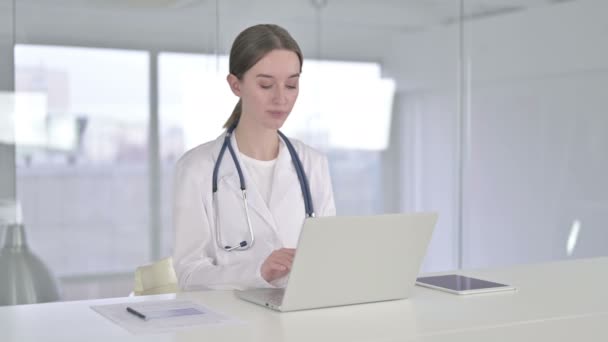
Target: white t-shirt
{"type": "Point", "coordinates": [261, 171]}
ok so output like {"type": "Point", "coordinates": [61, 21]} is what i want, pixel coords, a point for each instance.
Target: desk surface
{"type": "Point", "coordinates": [559, 301]}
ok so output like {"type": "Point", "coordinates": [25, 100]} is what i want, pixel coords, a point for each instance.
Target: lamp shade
{"type": "Point", "coordinates": [24, 279]}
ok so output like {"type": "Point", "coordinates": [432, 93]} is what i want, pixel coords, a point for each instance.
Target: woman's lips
{"type": "Point", "coordinates": [277, 113]}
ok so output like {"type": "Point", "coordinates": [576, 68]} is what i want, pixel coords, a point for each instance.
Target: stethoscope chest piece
{"type": "Point", "coordinates": [245, 245]}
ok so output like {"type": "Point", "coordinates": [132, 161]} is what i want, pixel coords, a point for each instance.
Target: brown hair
{"type": "Point", "coordinates": [250, 46]}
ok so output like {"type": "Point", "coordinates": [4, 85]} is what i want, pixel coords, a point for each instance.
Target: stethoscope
{"type": "Point", "coordinates": [244, 245]}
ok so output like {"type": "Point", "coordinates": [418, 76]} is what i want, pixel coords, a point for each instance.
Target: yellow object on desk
{"type": "Point", "coordinates": [156, 278]}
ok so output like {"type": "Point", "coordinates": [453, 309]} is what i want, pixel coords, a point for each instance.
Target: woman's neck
{"type": "Point", "coordinates": [257, 142]}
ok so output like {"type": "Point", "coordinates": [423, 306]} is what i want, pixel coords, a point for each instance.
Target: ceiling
{"type": "Point", "coordinates": [332, 28]}
{"type": "Point", "coordinates": [398, 15]}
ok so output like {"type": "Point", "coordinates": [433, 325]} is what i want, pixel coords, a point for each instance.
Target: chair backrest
{"type": "Point", "coordinates": [156, 278]}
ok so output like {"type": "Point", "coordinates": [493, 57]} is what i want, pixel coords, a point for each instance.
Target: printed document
{"type": "Point", "coordinates": [161, 316]}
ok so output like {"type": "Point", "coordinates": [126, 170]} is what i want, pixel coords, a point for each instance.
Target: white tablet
{"type": "Point", "coordinates": [458, 284]}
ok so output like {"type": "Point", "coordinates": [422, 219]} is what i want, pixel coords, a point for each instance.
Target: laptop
{"type": "Point", "coordinates": [343, 260]}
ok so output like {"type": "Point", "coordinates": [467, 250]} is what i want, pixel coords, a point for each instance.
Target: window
{"type": "Point", "coordinates": [82, 156]}
{"type": "Point", "coordinates": [195, 101]}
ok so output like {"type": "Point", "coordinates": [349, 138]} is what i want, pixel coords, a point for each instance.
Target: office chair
{"type": "Point", "coordinates": [156, 278]}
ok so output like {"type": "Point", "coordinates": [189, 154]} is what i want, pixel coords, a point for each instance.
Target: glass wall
{"type": "Point", "coordinates": [491, 113]}
{"type": "Point", "coordinates": [88, 166]}
{"type": "Point", "coordinates": [537, 148]}
{"type": "Point", "coordinates": [81, 155]}
{"type": "Point", "coordinates": [195, 101]}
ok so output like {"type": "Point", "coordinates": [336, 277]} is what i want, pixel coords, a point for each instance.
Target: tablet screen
{"type": "Point", "coordinates": [459, 283]}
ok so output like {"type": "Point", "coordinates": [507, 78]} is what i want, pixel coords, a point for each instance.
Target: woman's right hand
{"type": "Point", "coordinates": [278, 264]}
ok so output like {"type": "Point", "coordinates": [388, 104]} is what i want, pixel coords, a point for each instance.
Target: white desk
{"type": "Point", "coordinates": [560, 301]}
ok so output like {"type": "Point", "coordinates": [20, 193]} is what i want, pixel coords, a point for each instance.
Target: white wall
{"type": "Point", "coordinates": [426, 67]}
{"type": "Point", "coordinates": [538, 148]}
{"type": "Point", "coordinates": [430, 166]}
{"type": "Point", "coordinates": [564, 38]}
{"type": "Point", "coordinates": [536, 98]}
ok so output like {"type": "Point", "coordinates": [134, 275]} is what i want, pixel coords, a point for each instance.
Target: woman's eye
{"type": "Point", "coordinates": [266, 86]}
{"type": "Point", "coordinates": [291, 86]}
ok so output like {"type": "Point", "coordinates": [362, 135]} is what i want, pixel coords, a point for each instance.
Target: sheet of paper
{"type": "Point", "coordinates": [162, 316]}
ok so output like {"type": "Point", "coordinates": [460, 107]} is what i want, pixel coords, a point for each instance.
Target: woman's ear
{"type": "Point", "coordinates": [235, 84]}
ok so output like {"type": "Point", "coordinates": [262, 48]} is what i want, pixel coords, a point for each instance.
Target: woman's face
{"type": "Point", "coordinates": [269, 89]}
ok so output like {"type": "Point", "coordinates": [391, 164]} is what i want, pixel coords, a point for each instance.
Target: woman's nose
{"type": "Point", "coordinates": [280, 96]}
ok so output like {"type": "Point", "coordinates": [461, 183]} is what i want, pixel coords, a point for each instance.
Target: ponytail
{"type": "Point", "coordinates": [235, 116]}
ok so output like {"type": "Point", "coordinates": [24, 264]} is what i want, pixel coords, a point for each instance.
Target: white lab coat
{"type": "Point", "coordinates": [198, 261]}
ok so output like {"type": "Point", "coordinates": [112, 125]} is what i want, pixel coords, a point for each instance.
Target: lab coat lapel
{"type": "Point", "coordinates": [230, 176]}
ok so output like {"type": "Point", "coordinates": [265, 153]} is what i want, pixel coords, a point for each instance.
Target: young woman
{"type": "Point", "coordinates": [240, 201]}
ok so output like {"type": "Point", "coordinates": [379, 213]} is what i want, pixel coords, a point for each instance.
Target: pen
{"type": "Point", "coordinates": [137, 313]}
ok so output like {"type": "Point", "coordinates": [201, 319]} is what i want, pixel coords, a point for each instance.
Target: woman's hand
{"type": "Point", "coordinates": [278, 264]}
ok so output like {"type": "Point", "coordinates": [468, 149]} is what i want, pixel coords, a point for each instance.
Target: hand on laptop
{"type": "Point", "coordinates": [278, 264]}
